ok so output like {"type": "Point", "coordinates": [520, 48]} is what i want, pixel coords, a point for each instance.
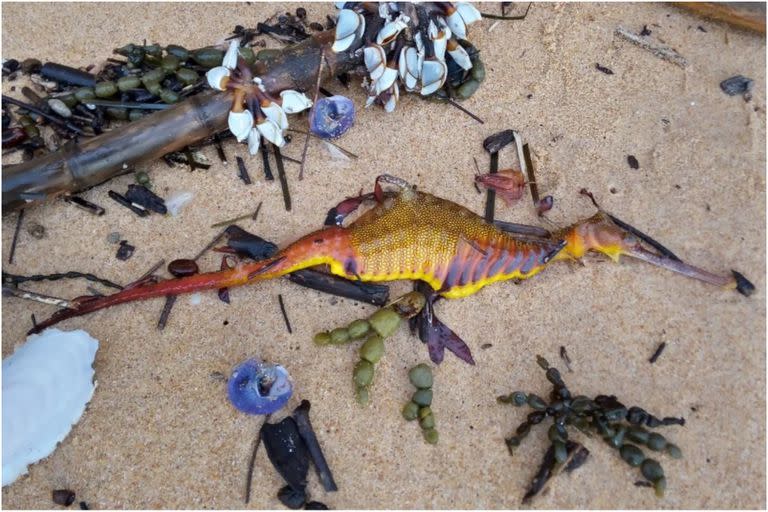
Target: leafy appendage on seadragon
{"type": "Point", "coordinates": [414, 235]}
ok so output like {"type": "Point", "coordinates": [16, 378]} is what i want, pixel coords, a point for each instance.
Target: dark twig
{"type": "Point", "coordinates": [151, 270]}
{"type": "Point", "coordinates": [565, 358]}
{"type": "Point", "coordinates": [14, 279]}
{"type": "Point", "coordinates": [128, 104]}
{"type": "Point", "coordinates": [658, 352]}
{"type": "Point", "coordinates": [283, 178]}
{"type": "Point", "coordinates": [285, 315]}
{"type": "Point", "coordinates": [219, 148]}
{"type": "Point", "coordinates": [85, 205]}
{"type": "Point", "coordinates": [311, 113]}
{"type": "Point", "coordinates": [490, 201]}
{"type": "Point", "coordinates": [265, 159]}
{"type": "Point", "coordinates": [307, 433]}
{"type": "Point", "coordinates": [45, 115]}
{"type": "Point", "coordinates": [19, 219]}
{"type": "Point", "coordinates": [170, 300]}
{"type": "Point", "coordinates": [497, 17]}
{"type": "Point", "coordinates": [470, 114]}
{"type": "Point", "coordinates": [531, 178]}
{"type": "Point", "coordinates": [118, 198]}
{"type": "Point", "coordinates": [252, 461]}
{"type": "Point", "coordinates": [243, 171]}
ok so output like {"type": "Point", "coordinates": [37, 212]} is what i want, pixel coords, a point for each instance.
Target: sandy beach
{"type": "Point", "coordinates": [159, 431]}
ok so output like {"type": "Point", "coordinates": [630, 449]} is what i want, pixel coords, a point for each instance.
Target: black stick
{"type": "Point", "coordinates": [45, 115]}
{"type": "Point", "coordinates": [15, 235]}
{"type": "Point", "coordinates": [243, 172]}
{"type": "Point", "coordinates": [283, 178]}
{"type": "Point", "coordinates": [170, 300]}
{"type": "Point", "coordinates": [307, 433]}
{"type": "Point", "coordinates": [658, 352]}
{"type": "Point", "coordinates": [285, 315]}
{"type": "Point", "coordinates": [265, 159]}
{"type": "Point", "coordinates": [490, 201]}
{"type": "Point", "coordinates": [17, 279]}
{"type": "Point", "coordinates": [370, 293]}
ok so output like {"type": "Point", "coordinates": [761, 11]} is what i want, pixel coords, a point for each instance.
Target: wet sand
{"type": "Point", "coordinates": [159, 432]}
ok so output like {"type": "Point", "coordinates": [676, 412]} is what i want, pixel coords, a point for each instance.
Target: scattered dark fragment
{"type": "Point", "coordinates": [632, 161]}
{"type": "Point", "coordinates": [645, 238]}
{"type": "Point", "coordinates": [490, 198]}
{"type": "Point", "coordinates": [84, 506]}
{"type": "Point", "coordinates": [603, 69]}
{"type": "Point", "coordinates": [138, 210]}
{"type": "Point", "coordinates": [52, 118]}
{"type": "Point", "coordinates": [9, 66]}
{"type": "Point", "coordinates": [63, 497]}
{"type": "Point", "coordinates": [223, 293]}
{"type": "Point", "coordinates": [292, 498]}
{"type": "Point", "coordinates": [242, 171]}
{"type": "Point", "coordinates": [287, 451]}
{"type": "Point", "coordinates": [369, 293]}
{"type": "Point", "coordinates": [658, 352]}
{"type": "Point", "coordinates": [316, 505]}
{"type": "Point", "coordinates": [13, 279]}
{"type": "Point", "coordinates": [494, 143]}
{"type": "Point", "coordinates": [531, 178]}
{"type": "Point", "coordinates": [183, 268]}
{"type": "Point", "coordinates": [170, 300]}
{"type": "Point", "coordinates": [67, 75]}
{"type": "Point", "coordinates": [737, 85]}
{"type": "Point", "coordinates": [248, 244]}
{"type": "Point", "coordinates": [12, 137]}
{"type": "Point", "coordinates": [701, 29]}
{"type": "Point", "coordinates": [578, 454]}
{"type": "Point", "coordinates": [265, 159]}
{"type": "Point", "coordinates": [329, 22]}
{"type": "Point", "coordinates": [15, 239]}
{"type": "Point", "coordinates": [301, 13]}
{"type": "Point", "coordinates": [643, 483]}
{"type": "Point", "coordinates": [307, 433]}
{"type": "Point", "coordinates": [544, 205]}
{"type": "Point", "coordinates": [485, 346]}
{"type": "Point", "coordinates": [141, 195]}
{"type": "Point", "coordinates": [283, 178]}
{"type": "Point", "coordinates": [470, 114]}
{"type": "Point", "coordinates": [542, 475]}
{"type": "Point", "coordinates": [219, 148]}
{"type": "Point", "coordinates": [743, 285]}
{"type": "Point", "coordinates": [646, 31]}
{"type": "Point", "coordinates": [125, 250]}
{"type": "Point", "coordinates": [29, 66]}
{"type": "Point", "coordinates": [317, 27]}
{"type": "Point", "coordinates": [565, 358]}
{"type": "Point", "coordinates": [285, 314]}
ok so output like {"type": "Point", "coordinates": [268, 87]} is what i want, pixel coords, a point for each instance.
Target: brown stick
{"type": "Point", "coordinates": [79, 166]}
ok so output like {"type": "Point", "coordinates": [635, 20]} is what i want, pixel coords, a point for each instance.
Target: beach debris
{"type": "Point", "coordinates": [14, 279]}
{"type": "Point", "coordinates": [14, 241]}
{"type": "Point", "coordinates": [434, 333]}
{"type": "Point", "coordinates": [374, 329]}
{"type": "Point", "coordinates": [307, 433]}
{"type": "Point", "coordinates": [113, 237]}
{"type": "Point", "coordinates": [420, 405]}
{"type": "Point", "coordinates": [566, 359]}
{"type": "Point", "coordinates": [63, 497]}
{"type": "Point", "coordinates": [13, 291]}
{"type": "Point", "coordinates": [622, 428]}
{"type": "Point", "coordinates": [632, 161]}
{"type": "Point", "coordinates": [737, 85]}
{"type": "Point", "coordinates": [509, 184]}
{"type": "Point", "coordinates": [47, 383]}
{"type": "Point", "coordinates": [122, 200]}
{"type": "Point", "coordinates": [290, 457]}
{"type": "Point", "coordinates": [332, 117]}
{"type": "Point", "coordinates": [660, 51]}
{"type": "Point", "coordinates": [242, 171]}
{"type": "Point", "coordinates": [170, 300]}
{"type": "Point", "coordinates": [284, 313]}
{"type": "Point", "coordinates": [257, 387]}
{"type": "Point", "coordinates": [657, 352]}
{"type": "Point", "coordinates": [603, 69]}
{"type": "Point", "coordinates": [125, 250]}
{"type": "Point", "coordinates": [183, 267]}
{"type": "Point", "coordinates": [281, 176]}
{"type": "Point", "coordinates": [142, 196]}
{"type": "Point", "coordinates": [88, 206]}
{"type": "Point", "coordinates": [177, 200]}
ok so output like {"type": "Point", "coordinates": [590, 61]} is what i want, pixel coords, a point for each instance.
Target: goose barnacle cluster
{"type": "Point", "coordinates": [411, 42]}
{"type": "Point", "coordinates": [255, 113]}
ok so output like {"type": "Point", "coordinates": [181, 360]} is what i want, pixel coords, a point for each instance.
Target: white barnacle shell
{"type": "Point", "coordinates": [386, 80]}
{"type": "Point", "coordinates": [459, 54]}
{"type": "Point", "coordinates": [391, 103]}
{"type": "Point", "coordinates": [218, 77]}
{"type": "Point", "coordinates": [276, 114]}
{"type": "Point", "coordinates": [439, 38]}
{"type": "Point", "coordinates": [271, 131]}
{"type": "Point", "coordinates": [391, 29]}
{"type": "Point", "coordinates": [409, 67]}
{"type": "Point", "coordinates": [294, 101]}
{"type": "Point", "coordinates": [349, 28]}
{"type": "Point", "coordinates": [254, 141]}
{"type": "Point", "coordinates": [47, 383]}
{"type": "Point", "coordinates": [375, 60]}
{"type": "Point", "coordinates": [230, 58]}
{"type": "Point", "coordinates": [461, 15]}
{"type": "Point", "coordinates": [433, 75]}
{"type": "Point", "coordinates": [240, 123]}
{"type": "Point", "coordinates": [469, 12]}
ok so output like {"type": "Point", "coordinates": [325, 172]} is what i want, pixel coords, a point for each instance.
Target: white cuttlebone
{"type": "Point", "coordinates": [433, 74]}
{"type": "Point", "coordinates": [230, 58]}
{"type": "Point", "coordinates": [240, 124]}
{"type": "Point", "coordinates": [254, 139]}
{"type": "Point", "coordinates": [47, 383]}
{"type": "Point", "coordinates": [215, 76]}
{"type": "Point", "coordinates": [386, 80]}
{"type": "Point", "coordinates": [295, 101]}
{"type": "Point", "coordinates": [275, 113]}
{"type": "Point", "coordinates": [272, 132]}
{"type": "Point", "coordinates": [460, 55]}
{"type": "Point", "coordinates": [375, 60]}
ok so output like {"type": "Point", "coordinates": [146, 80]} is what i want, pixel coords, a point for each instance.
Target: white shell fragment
{"type": "Point", "coordinates": [47, 383]}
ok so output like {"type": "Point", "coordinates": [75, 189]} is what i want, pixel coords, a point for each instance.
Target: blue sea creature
{"type": "Point", "coordinates": [332, 117]}
{"type": "Point", "coordinates": [256, 387]}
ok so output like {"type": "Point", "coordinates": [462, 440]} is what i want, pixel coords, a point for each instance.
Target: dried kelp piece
{"type": "Point", "coordinates": [370, 293]}
{"type": "Point", "coordinates": [737, 85]}
{"type": "Point", "coordinates": [141, 195]}
{"type": "Point", "coordinates": [576, 454]}
{"type": "Point", "coordinates": [496, 142]}
{"type": "Point", "coordinates": [287, 451]}
{"type": "Point", "coordinates": [125, 250]}
{"type": "Point", "coordinates": [248, 244]}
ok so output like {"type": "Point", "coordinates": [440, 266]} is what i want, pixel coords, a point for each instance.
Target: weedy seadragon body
{"type": "Point", "coordinates": [414, 235]}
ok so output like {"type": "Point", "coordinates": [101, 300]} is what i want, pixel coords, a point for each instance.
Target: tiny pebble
{"type": "Point", "coordinates": [63, 497]}
{"type": "Point", "coordinates": [632, 161]}
{"type": "Point", "coordinates": [113, 237]}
